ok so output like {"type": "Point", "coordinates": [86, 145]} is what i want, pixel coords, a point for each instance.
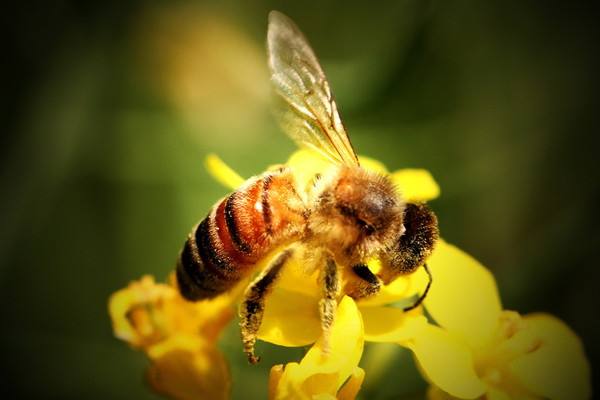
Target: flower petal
{"type": "Point", "coordinates": [463, 297]}
{"type": "Point", "coordinates": [435, 393]}
{"type": "Point", "coordinates": [416, 185]}
{"type": "Point", "coordinates": [496, 394]}
{"type": "Point", "coordinates": [135, 315]}
{"type": "Point", "coordinates": [186, 367]}
{"type": "Point", "coordinates": [346, 344]}
{"type": "Point", "coordinates": [322, 372]}
{"type": "Point", "coordinates": [274, 379]}
{"type": "Point", "coordinates": [387, 324]}
{"type": "Point", "coordinates": [290, 318]}
{"type": "Point", "coordinates": [306, 164]}
{"type": "Point", "coordinates": [290, 384]}
{"type": "Point", "coordinates": [222, 173]}
{"type": "Point", "coordinates": [372, 165]}
{"type": "Point", "coordinates": [557, 368]}
{"type": "Point", "coordinates": [446, 361]}
{"type": "Point", "coordinates": [146, 313]}
{"type": "Point", "coordinates": [351, 388]}
{"type": "Point", "coordinates": [296, 278]}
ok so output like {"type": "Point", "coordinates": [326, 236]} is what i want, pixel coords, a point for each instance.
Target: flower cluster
{"type": "Point", "coordinates": [469, 347]}
{"type": "Point", "coordinates": [178, 337]}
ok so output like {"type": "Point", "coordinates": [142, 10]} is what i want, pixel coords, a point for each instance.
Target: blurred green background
{"type": "Point", "coordinates": [109, 109]}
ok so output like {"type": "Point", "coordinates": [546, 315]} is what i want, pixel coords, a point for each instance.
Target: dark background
{"type": "Point", "coordinates": [109, 109]}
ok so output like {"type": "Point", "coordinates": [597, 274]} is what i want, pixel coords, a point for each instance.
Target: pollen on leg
{"type": "Point", "coordinates": [328, 304]}
{"type": "Point", "coordinates": [253, 306]}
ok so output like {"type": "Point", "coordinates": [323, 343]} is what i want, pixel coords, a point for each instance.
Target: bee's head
{"type": "Point", "coordinates": [364, 211]}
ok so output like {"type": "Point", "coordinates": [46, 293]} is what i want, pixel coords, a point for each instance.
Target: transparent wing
{"type": "Point", "coordinates": [306, 107]}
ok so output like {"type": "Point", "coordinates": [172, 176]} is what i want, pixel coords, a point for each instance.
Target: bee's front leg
{"type": "Point", "coordinates": [362, 282]}
{"type": "Point", "coordinates": [253, 306]}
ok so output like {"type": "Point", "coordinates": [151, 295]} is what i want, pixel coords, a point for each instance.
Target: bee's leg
{"type": "Point", "coordinates": [328, 304]}
{"type": "Point", "coordinates": [252, 308]}
{"type": "Point", "coordinates": [412, 248]}
{"type": "Point", "coordinates": [363, 283]}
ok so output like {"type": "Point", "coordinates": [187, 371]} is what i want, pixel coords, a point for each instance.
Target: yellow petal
{"type": "Point", "coordinates": [288, 385]}
{"type": "Point", "coordinates": [207, 318]}
{"type": "Point", "coordinates": [322, 373]}
{"type": "Point", "coordinates": [222, 173]}
{"type": "Point", "coordinates": [446, 361]}
{"type": "Point", "coordinates": [372, 165]}
{"type": "Point", "coordinates": [295, 277]}
{"type": "Point", "coordinates": [557, 368]}
{"type": "Point", "coordinates": [435, 393]}
{"type": "Point", "coordinates": [146, 313]}
{"type": "Point", "coordinates": [290, 318]}
{"type": "Point", "coordinates": [496, 394]}
{"type": "Point", "coordinates": [274, 379]}
{"type": "Point", "coordinates": [186, 367]}
{"type": "Point", "coordinates": [134, 314]}
{"type": "Point", "coordinates": [387, 324]}
{"type": "Point", "coordinates": [416, 185]}
{"type": "Point", "coordinates": [463, 297]}
{"type": "Point", "coordinates": [346, 341]}
{"type": "Point", "coordinates": [351, 388]}
{"type": "Point", "coordinates": [306, 164]}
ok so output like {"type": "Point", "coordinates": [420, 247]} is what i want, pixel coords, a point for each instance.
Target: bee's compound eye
{"type": "Point", "coordinates": [367, 228]}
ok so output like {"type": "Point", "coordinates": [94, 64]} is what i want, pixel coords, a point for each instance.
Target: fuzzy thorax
{"type": "Point", "coordinates": [356, 213]}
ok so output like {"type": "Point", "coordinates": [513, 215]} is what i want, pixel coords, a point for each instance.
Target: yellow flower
{"type": "Point", "coordinates": [325, 374]}
{"type": "Point", "coordinates": [178, 337]}
{"type": "Point", "coordinates": [477, 350]}
{"type": "Point", "coordinates": [291, 316]}
{"type": "Point", "coordinates": [480, 350]}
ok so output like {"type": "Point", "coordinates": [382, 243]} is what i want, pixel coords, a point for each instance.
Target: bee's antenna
{"type": "Point", "coordinates": [420, 299]}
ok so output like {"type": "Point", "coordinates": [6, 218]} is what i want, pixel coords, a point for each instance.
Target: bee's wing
{"type": "Point", "coordinates": [308, 113]}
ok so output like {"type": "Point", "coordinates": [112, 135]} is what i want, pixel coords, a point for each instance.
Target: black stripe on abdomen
{"type": "Point", "coordinates": [201, 271]}
{"type": "Point", "coordinates": [232, 225]}
{"type": "Point", "coordinates": [215, 263]}
{"type": "Point", "coordinates": [191, 275]}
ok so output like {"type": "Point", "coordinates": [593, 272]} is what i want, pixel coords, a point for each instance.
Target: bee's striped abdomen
{"type": "Point", "coordinates": [240, 230]}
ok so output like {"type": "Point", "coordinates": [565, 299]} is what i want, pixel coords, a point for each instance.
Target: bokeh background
{"type": "Point", "coordinates": [109, 109]}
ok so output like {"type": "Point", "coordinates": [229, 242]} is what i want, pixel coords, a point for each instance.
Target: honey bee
{"type": "Point", "coordinates": [344, 217]}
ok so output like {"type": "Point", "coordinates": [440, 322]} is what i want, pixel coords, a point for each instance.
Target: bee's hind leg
{"type": "Point", "coordinates": [328, 304]}
{"type": "Point", "coordinates": [253, 306]}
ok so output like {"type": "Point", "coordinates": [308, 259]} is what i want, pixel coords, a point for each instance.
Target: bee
{"type": "Point", "coordinates": [344, 217]}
